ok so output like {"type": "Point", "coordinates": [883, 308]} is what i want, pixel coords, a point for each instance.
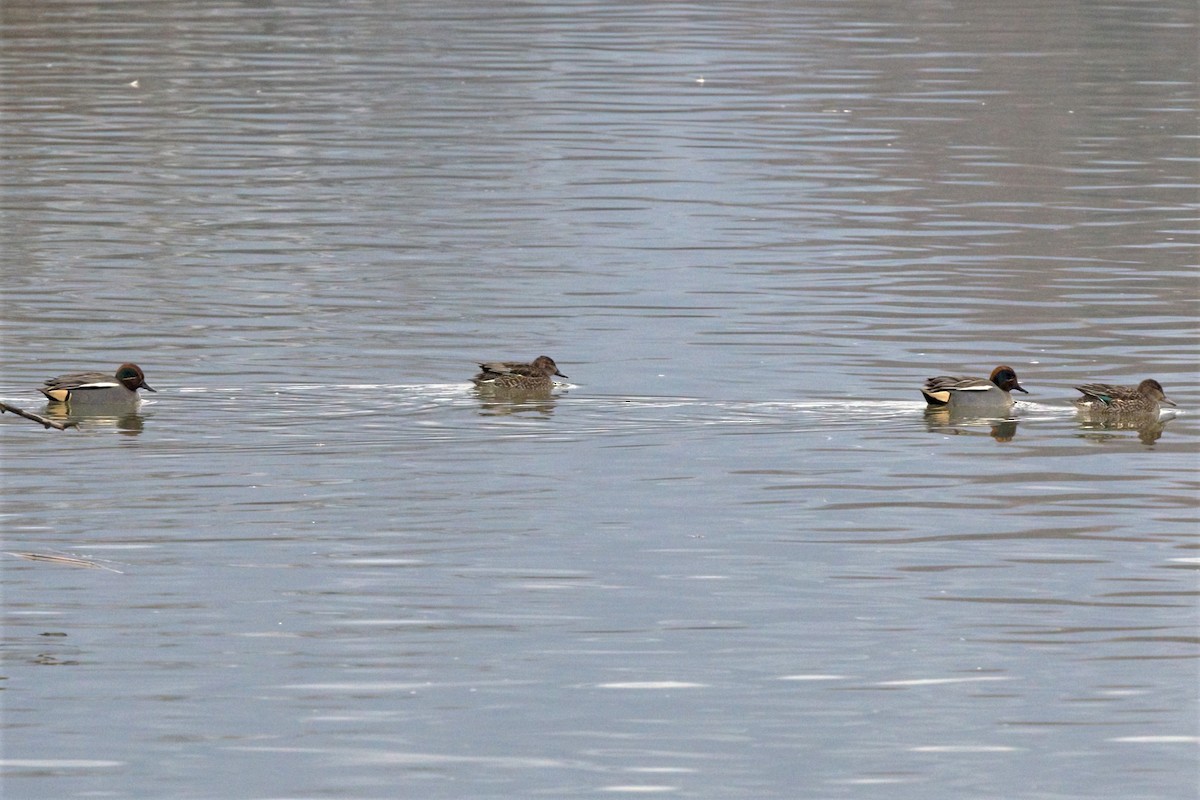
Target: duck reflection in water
{"type": "Point", "coordinates": [511, 387]}
{"type": "Point", "coordinates": [97, 399]}
{"type": "Point", "coordinates": [126, 420]}
{"type": "Point", "coordinates": [497, 404]}
{"type": "Point", "coordinates": [1106, 429]}
{"type": "Point", "coordinates": [941, 419]}
{"type": "Point", "coordinates": [1107, 408]}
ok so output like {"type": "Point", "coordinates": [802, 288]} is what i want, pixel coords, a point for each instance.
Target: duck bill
{"type": "Point", "coordinates": [1017, 387]}
{"type": "Point", "coordinates": [149, 388]}
{"type": "Point", "coordinates": [1166, 401]}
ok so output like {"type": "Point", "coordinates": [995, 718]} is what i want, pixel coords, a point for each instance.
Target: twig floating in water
{"type": "Point", "coordinates": [69, 561]}
{"type": "Point", "coordinates": [47, 423]}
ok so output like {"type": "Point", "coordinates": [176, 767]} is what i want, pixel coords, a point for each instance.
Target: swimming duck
{"type": "Point", "coordinates": [1144, 398]}
{"type": "Point", "coordinates": [534, 376]}
{"type": "Point", "coordinates": [974, 393]}
{"type": "Point", "coordinates": [96, 388]}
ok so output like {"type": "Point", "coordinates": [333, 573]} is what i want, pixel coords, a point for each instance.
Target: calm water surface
{"type": "Point", "coordinates": [733, 557]}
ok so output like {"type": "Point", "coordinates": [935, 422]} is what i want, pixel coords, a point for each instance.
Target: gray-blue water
{"type": "Point", "coordinates": [733, 557]}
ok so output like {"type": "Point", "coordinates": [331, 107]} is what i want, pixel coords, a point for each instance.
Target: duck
{"type": "Point", "coordinates": [97, 388]}
{"type": "Point", "coordinates": [974, 393]}
{"type": "Point", "coordinates": [534, 376]}
{"type": "Point", "coordinates": [1145, 398]}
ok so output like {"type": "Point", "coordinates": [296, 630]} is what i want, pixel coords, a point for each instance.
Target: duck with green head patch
{"type": "Point", "coordinates": [97, 388]}
{"type": "Point", "coordinates": [974, 393]}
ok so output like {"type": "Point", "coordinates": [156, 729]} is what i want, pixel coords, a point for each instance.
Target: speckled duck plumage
{"type": "Point", "coordinates": [515, 375]}
{"type": "Point", "coordinates": [1145, 398]}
